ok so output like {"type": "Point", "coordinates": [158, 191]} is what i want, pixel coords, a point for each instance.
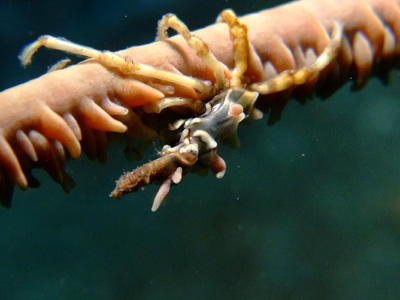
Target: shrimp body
{"type": "Point", "coordinates": [197, 147]}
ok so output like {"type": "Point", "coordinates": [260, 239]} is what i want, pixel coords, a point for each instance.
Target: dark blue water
{"type": "Point", "coordinates": [309, 207]}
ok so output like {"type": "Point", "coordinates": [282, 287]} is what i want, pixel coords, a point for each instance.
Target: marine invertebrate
{"type": "Point", "coordinates": [277, 44]}
{"type": "Point", "coordinates": [197, 146]}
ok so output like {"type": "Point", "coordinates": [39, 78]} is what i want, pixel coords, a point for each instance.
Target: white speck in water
{"type": "Point", "coordinates": [303, 154]}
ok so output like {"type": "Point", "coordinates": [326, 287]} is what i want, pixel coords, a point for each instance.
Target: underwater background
{"type": "Point", "coordinates": [309, 208]}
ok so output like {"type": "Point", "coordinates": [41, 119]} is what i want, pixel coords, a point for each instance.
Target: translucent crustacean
{"type": "Point", "coordinates": [235, 101]}
{"type": "Point", "coordinates": [195, 82]}
{"type": "Point", "coordinates": [197, 147]}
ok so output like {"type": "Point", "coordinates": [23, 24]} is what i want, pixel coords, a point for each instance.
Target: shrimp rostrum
{"type": "Point", "coordinates": [224, 103]}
